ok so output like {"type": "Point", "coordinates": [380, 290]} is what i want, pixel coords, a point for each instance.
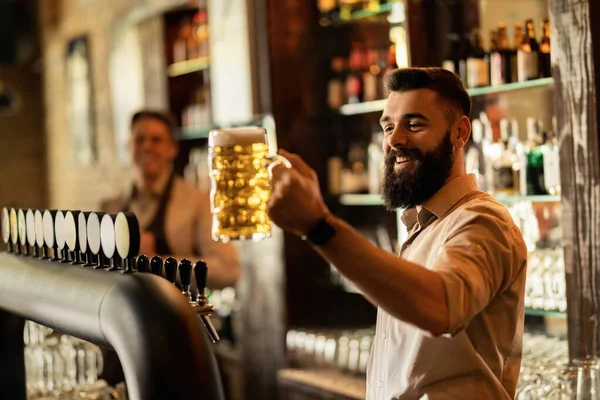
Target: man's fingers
{"type": "Point", "coordinates": [298, 163]}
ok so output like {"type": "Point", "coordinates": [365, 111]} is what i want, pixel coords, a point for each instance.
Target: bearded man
{"type": "Point", "coordinates": [451, 306]}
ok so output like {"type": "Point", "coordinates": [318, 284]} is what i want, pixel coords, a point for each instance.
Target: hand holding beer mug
{"type": "Point", "coordinates": [240, 171]}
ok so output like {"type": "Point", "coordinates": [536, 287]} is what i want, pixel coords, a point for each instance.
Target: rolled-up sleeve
{"type": "Point", "coordinates": [477, 261]}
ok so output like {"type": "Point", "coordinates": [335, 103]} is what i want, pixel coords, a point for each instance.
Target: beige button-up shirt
{"type": "Point", "coordinates": [472, 241]}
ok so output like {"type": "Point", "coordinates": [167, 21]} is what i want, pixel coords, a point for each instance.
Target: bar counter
{"type": "Point", "coordinates": [316, 384]}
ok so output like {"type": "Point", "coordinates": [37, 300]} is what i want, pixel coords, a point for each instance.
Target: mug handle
{"type": "Point", "coordinates": [274, 161]}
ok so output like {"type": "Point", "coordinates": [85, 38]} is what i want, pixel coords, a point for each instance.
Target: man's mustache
{"type": "Point", "coordinates": [402, 152]}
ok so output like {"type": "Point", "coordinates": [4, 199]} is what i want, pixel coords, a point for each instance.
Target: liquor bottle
{"type": "Point", "coordinates": [491, 152]}
{"type": "Point", "coordinates": [452, 59]}
{"type": "Point", "coordinates": [375, 162]}
{"type": "Point", "coordinates": [201, 33]}
{"type": "Point", "coordinates": [463, 54]}
{"type": "Point", "coordinates": [505, 174]}
{"type": "Point", "coordinates": [390, 64]}
{"type": "Point", "coordinates": [474, 160]}
{"type": "Point", "coordinates": [551, 165]}
{"type": "Point", "coordinates": [503, 68]}
{"type": "Point", "coordinates": [371, 75]}
{"type": "Point", "coordinates": [180, 46]}
{"type": "Point", "coordinates": [336, 94]}
{"type": "Point", "coordinates": [535, 159]}
{"type": "Point", "coordinates": [517, 148]}
{"type": "Point", "coordinates": [354, 83]}
{"type": "Point", "coordinates": [545, 63]}
{"type": "Point", "coordinates": [493, 49]}
{"type": "Point", "coordinates": [528, 54]}
{"type": "Point", "coordinates": [477, 64]}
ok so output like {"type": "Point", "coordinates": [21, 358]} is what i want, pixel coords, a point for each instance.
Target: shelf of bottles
{"type": "Point", "coordinates": [190, 47]}
{"type": "Point", "coordinates": [190, 56]}
{"type": "Point", "coordinates": [356, 86]}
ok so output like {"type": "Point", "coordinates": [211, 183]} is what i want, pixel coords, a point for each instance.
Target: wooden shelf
{"type": "Point", "coordinates": [378, 105]}
{"type": "Point", "coordinates": [187, 67]}
{"type": "Point", "coordinates": [545, 313]}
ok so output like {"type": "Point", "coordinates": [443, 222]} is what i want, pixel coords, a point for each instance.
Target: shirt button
{"type": "Point", "coordinates": [380, 384]}
{"type": "Point", "coordinates": [384, 335]}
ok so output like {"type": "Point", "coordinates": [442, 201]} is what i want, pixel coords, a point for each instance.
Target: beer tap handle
{"type": "Point", "coordinates": [170, 269]}
{"type": "Point", "coordinates": [202, 307]}
{"type": "Point", "coordinates": [156, 265]}
{"type": "Point", "coordinates": [201, 272]}
{"type": "Point", "coordinates": [142, 263]}
{"type": "Point", "coordinates": [185, 274]}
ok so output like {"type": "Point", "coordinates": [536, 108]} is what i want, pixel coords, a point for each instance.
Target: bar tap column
{"type": "Point", "coordinates": [201, 305]}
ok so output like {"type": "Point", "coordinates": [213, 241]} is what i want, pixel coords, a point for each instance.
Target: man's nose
{"type": "Point", "coordinates": [398, 138]}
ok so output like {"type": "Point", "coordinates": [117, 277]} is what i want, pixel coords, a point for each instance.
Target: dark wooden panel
{"type": "Point", "coordinates": [574, 50]}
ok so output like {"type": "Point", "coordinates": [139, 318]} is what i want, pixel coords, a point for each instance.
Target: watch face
{"type": "Point", "coordinates": [5, 225]}
{"type": "Point", "coordinates": [93, 233]}
{"type": "Point", "coordinates": [39, 228]}
{"type": "Point", "coordinates": [48, 229]}
{"type": "Point", "coordinates": [14, 227]}
{"type": "Point", "coordinates": [107, 236]}
{"type": "Point", "coordinates": [82, 228]}
{"type": "Point", "coordinates": [30, 220]}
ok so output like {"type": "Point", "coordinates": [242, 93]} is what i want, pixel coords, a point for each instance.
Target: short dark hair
{"type": "Point", "coordinates": [163, 116]}
{"type": "Point", "coordinates": [448, 86]}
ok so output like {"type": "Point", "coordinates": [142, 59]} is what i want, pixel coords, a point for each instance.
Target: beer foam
{"type": "Point", "coordinates": [228, 137]}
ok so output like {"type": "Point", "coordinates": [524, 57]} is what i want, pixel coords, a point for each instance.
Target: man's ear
{"type": "Point", "coordinates": [463, 131]}
{"type": "Point", "coordinates": [174, 149]}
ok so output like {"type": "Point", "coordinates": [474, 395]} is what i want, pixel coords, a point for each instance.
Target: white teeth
{"type": "Point", "coordinates": [402, 159]}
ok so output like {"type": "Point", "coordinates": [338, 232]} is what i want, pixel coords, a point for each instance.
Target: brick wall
{"type": "Point", "coordinates": [72, 185]}
{"type": "Point", "coordinates": [22, 143]}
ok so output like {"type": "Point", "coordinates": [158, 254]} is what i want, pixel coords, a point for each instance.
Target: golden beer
{"type": "Point", "coordinates": [240, 186]}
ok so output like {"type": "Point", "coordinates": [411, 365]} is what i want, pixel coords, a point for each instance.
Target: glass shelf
{"type": "Point", "coordinates": [362, 14]}
{"type": "Point", "coordinates": [376, 200]}
{"type": "Point", "coordinates": [361, 200]}
{"type": "Point", "coordinates": [187, 67]}
{"type": "Point", "coordinates": [194, 132]}
{"type": "Point", "coordinates": [545, 313]}
{"type": "Point", "coordinates": [531, 199]}
{"type": "Point", "coordinates": [376, 106]}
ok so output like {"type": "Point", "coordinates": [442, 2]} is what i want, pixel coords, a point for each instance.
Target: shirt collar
{"type": "Point", "coordinates": [442, 201]}
{"type": "Point", "coordinates": [157, 188]}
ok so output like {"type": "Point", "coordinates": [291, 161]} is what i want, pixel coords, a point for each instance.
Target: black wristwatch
{"type": "Point", "coordinates": [321, 233]}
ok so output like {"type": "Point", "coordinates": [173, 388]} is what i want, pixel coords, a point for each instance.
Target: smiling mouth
{"type": "Point", "coordinates": [402, 160]}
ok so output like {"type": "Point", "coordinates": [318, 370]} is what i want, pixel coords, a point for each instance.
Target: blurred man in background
{"type": "Point", "coordinates": [174, 217]}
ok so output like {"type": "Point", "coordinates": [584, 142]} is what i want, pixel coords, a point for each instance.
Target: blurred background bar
{"type": "Point", "coordinates": [72, 73]}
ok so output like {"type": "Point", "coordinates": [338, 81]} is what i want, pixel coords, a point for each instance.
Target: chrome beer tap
{"type": "Point", "coordinates": [201, 306]}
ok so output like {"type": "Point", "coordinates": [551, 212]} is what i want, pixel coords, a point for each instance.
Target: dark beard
{"type": "Point", "coordinates": [409, 188]}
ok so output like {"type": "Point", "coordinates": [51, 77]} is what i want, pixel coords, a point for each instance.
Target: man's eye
{"type": "Point", "coordinates": [388, 129]}
{"type": "Point", "coordinates": [412, 125]}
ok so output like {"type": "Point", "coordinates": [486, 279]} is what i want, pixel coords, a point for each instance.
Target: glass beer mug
{"type": "Point", "coordinates": [240, 170]}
